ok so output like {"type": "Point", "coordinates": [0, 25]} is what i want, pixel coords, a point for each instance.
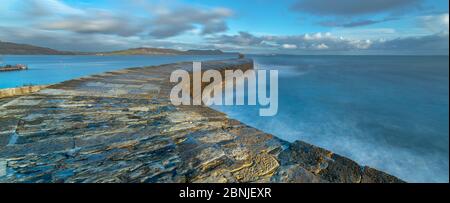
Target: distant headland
{"type": "Point", "coordinates": [9, 48]}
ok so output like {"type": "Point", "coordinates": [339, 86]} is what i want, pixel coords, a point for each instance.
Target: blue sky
{"type": "Point", "coordinates": [250, 26]}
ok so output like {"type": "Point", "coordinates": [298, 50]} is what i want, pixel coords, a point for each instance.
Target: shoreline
{"type": "Point", "coordinates": [164, 143]}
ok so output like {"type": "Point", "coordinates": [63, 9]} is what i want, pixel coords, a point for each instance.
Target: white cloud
{"type": "Point", "coordinates": [49, 7]}
{"type": "Point", "coordinates": [368, 33]}
{"type": "Point", "coordinates": [361, 44]}
{"type": "Point", "coordinates": [308, 41]}
{"type": "Point", "coordinates": [321, 46]}
{"type": "Point", "coordinates": [186, 18]}
{"type": "Point", "coordinates": [435, 44]}
{"type": "Point", "coordinates": [435, 23]}
{"type": "Point", "coordinates": [317, 36]}
{"type": "Point", "coordinates": [289, 46]}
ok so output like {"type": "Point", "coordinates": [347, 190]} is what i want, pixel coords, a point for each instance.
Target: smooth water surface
{"type": "Point", "coordinates": [388, 112]}
{"type": "Point", "coordinates": [54, 69]}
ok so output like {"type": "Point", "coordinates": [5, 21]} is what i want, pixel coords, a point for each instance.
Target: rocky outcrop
{"type": "Point", "coordinates": [17, 91]}
{"type": "Point", "coordinates": [303, 162]}
{"type": "Point", "coordinates": [121, 127]}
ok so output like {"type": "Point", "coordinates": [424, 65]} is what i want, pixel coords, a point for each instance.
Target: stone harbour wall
{"type": "Point", "coordinates": [121, 127]}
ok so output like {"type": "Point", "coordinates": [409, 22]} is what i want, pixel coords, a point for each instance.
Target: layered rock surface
{"type": "Point", "coordinates": [121, 127]}
{"type": "Point", "coordinates": [17, 91]}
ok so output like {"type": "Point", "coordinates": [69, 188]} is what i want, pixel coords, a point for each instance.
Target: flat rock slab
{"type": "Point", "coordinates": [121, 127]}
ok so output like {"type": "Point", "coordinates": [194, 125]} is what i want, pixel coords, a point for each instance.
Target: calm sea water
{"type": "Point", "coordinates": [388, 112]}
{"type": "Point", "coordinates": [54, 69]}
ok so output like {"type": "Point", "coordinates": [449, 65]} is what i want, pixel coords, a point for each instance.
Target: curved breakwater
{"type": "Point", "coordinates": [121, 127]}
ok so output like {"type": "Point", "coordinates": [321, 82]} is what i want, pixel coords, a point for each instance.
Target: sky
{"type": "Point", "coordinates": [249, 26]}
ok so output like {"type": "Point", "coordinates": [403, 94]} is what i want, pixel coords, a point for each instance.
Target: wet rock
{"type": "Point", "coordinates": [256, 169]}
{"type": "Point", "coordinates": [341, 170]}
{"type": "Point", "coordinates": [240, 153]}
{"type": "Point", "coordinates": [216, 176]}
{"type": "Point", "coordinates": [311, 158]}
{"type": "Point", "coordinates": [210, 158]}
{"type": "Point", "coordinates": [216, 137]}
{"type": "Point", "coordinates": [295, 174]}
{"type": "Point", "coordinates": [328, 166]}
{"type": "Point", "coordinates": [371, 175]}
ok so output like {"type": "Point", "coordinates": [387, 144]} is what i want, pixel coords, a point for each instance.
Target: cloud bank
{"type": "Point", "coordinates": [90, 27]}
{"type": "Point", "coordinates": [184, 19]}
{"type": "Point", "coordinates": [55, 15]}
{"type": "Point", "coordinates": [329, 43]}
{"type": "Point", "coordinates": [351, 7]}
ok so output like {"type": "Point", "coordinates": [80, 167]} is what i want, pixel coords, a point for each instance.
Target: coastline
{"type": "Point", "coordinates": [164, 143]}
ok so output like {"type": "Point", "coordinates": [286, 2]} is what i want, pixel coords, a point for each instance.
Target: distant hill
{"type": "Point", "coordinates": [158, 51]}
{"type": "Point", "coordinates": [8, 48]}
{"type": "Point", "coordinates": [143, 51]}
{"type": "Point", "coordinates": [25, 49]}
{"type": "Point", "coordinates": [204, 52]}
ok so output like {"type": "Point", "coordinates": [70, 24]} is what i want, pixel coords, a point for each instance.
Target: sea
{"type": "Point", "coordinates": [387, 112]}
{"type": "Point", "coordinates": [51, 69]}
